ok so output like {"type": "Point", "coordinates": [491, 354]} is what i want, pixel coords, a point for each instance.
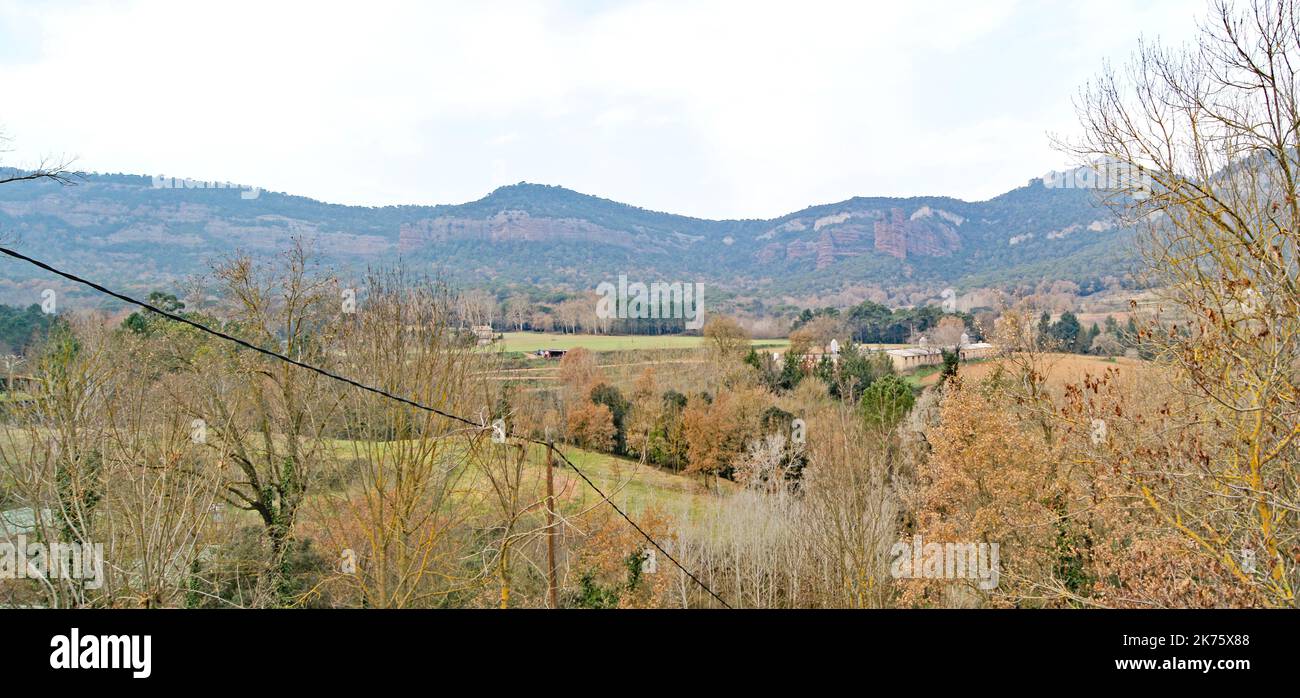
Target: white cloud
{"type": "Point", "coordinates": [708, 108]}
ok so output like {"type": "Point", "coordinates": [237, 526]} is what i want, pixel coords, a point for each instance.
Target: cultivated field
{"type": "Point", "coordinates": [1061, 368]}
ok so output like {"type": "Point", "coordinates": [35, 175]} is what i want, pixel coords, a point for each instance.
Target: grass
{"type": "Point", "coordinates": [923, 376]}
{"type": "Point", "coordinates": [532, 341]}
{"type": "Point", "coordinates": [629, 484]}
{"type": "Point", "coordinates": [1061, 368]}
{"type": "Point", "coordinates": [632, 486]}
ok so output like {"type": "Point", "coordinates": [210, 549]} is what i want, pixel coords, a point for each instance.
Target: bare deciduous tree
{"type": "Point", "coordinates": [267, 418]}
{"type": "Point", "coordinates": [1200, 146]}
{"type": "Point", "coordinates": [52, 169]}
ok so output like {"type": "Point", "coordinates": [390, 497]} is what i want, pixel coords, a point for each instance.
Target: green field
{"type": "Point", "coordinates": [631, 485]}
{"type": "Point", "coordinates": [532, 341]}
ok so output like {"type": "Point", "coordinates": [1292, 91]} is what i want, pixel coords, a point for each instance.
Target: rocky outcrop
{"type": "Point", "coordinates": [509, 226]}
{"type": "Point", "coordinates": [932, 240]}
{"type": "Point", "coordinates": [926, 233]}
{"type": "Point", "coordinates": [126, 229]}
{"type": "Point", "coordinates": [890, 234]}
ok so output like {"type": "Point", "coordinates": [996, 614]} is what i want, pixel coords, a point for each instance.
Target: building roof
{"type": "Point", "coordinates": [915, 351]}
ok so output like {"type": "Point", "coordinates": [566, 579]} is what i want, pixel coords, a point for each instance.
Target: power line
{"type": "Point", "coordinates": [640, 530]}
{"type": "Point", "coordinates": [344, 379]}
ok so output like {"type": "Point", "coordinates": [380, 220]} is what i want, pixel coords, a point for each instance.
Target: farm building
{"type": "Point", "coordinates": [814, 355]}
{"type": "Point", "coordinates": [926, 355]}
{"type": "Point", "coordinates": [915, 357]}
{"type": "Point", "coordinates": [977, 350]}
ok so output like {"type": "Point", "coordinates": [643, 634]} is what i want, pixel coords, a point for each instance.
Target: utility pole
{"type": "Point", "coordinates": [552, 584]}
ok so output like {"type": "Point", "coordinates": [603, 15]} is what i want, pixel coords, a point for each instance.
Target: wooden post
{"type": "Point", "coordinates": [552, 584]}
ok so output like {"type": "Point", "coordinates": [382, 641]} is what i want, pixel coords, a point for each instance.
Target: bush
{"type": "Point", "coordinates": [885, 402]}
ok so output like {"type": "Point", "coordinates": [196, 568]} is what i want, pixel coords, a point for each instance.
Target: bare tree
{"type": "Point", "coordinates": [394, 516]}
{"type": "Point", "coordinates": [948, 333]}
{"type": "Point", "coordinates": [53, 169]}
{"type": "Point", "coordinates": [478, 307]}
{"type": "Point", "coordinates": [267, 418]}
{"type": "Point", "coordinates": [518, 310]}
{"type": "Point", "coordinates": [54, 455]}
{"type": "Point", "coordinates": [1200, 147]}
{"type": "Point", "coordinates": [161, 487]}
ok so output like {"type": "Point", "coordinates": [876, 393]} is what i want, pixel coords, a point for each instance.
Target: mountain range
{"type": "Point", "coordinates": [140, 234]}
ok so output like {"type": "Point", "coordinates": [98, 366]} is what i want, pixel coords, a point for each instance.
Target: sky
{"type": "Point", "coordinates": [708, 108]}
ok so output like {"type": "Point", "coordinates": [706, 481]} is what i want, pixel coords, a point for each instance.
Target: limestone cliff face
{"type": "Point", "coordinates": [890, 234]}
{"type": "Point", "coordinates": [508, 226]}
{"type": "Point", "coordinates": [823, 239]}
{"type": "Point", "coordinates": [127, 230]}
{"type": "Point", "coordinates": [931, 239]}
{"type": "Point", "coordinates": [916, 236]}
{"type": "Point", "coordinates": [887, 231]}
{"type": "Point", "coordinates": [840, 241]}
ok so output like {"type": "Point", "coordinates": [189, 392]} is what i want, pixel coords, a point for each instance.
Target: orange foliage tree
{"type": "Point", "coordinates": [591, 426]}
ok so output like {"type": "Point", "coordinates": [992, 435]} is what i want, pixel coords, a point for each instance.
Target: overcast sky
{"type": "Point", "coordinates": [713, 109]}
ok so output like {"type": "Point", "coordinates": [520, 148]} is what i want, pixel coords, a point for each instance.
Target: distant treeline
{"type": "Point", "coordinates": [874, 323]}
{"type": "Point", "coordinates": [1067, 334]}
